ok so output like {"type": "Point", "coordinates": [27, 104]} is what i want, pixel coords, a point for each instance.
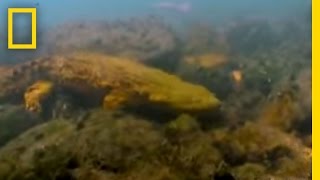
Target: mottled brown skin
{"type": "Point", "coordinates": [112, 81]}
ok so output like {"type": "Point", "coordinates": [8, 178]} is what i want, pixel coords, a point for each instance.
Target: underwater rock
{"type": "Point", "coordinates": [289, 104]}
{"type": "Point", "coordinates": [249, 171]}
{"type": "Point", "coordinates": [279, 154]}
{"type": "Point", "coordinates": [281, 111]}
{"type": "Point", "coordinates": [202, 38]}
{"type": "Point", "coordinates": [304, 85]}
{"type": "Point", "coordinates": [108, 146]}
{"type": "Point", "coordinates": [249, 36]}
{"type": "Point", "coordinates": [142, 38]}
{"type": "Point", "coordinates": [237, 103]}
{"type": "Point", "coordinates": [129, 147]}
{"type": "Point", "coordinates": [183, 124]}
{"type": "Point", "coordinates": [25, 157]}
{"type": "Point", "coordinates": [189, 149]}
{"type": "Point", "coordinates": [263, 76]}
{"type": "Point", "coordinates": [261, 50]}
{"type": "Point", "coordinates": [115, 145]}
{"type": "Point", "coordinates": [125, 83]}
{"type": "Point", "coordinates": [14, 120]}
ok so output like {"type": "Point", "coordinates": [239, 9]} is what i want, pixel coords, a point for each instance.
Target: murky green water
{"type": "Point", "coordinates": [253, 56]}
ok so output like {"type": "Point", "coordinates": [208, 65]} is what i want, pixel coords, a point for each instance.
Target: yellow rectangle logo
{"type": "Point", "coordinates": [33, 12]}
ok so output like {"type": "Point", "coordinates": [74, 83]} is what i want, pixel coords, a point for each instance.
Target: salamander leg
{"type": "Point", "coordinates": [36, 94]}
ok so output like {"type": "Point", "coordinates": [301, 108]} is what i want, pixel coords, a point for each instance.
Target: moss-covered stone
{"type": "Point", "coordinates": [249, 171]}
{"type": "Point", "coordinates": [14, 120]}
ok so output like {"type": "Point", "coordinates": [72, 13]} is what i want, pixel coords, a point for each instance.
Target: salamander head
{"type": "Point", "coordinates": [194, 98]}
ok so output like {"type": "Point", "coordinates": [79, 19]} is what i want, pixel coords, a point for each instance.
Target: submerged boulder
{"type": "Point", "coordinates": [14, 120]}
{"type": "Point", "coordinates": [142, 38]}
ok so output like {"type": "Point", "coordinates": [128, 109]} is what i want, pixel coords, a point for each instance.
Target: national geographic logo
{"type": "Point", "coordinates": [33, 12]}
